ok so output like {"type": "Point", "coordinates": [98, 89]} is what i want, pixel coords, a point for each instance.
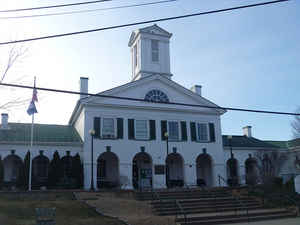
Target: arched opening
{"type": "Point", "coordinates": [108, 175]}
{"type": "Point", "coordinates": [13, 170]}
{"type": "Point", "coordinates": [232, 172]}
{"type": "Point", "coordinates": [142, 171]}
{"type": "Point", "coordinates": [40, 168]}
{"type": "Point", "coordinates": [174, 170]}
{"type": "Point", "coordinates": [251, 171]}
{"type": "Point", "coordinates": [204, 170]}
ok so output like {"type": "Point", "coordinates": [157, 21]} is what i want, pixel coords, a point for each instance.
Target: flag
{"type": "Point", "coordinates": [31, 108]}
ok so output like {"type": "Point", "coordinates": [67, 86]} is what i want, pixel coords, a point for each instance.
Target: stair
{"type": "Point", "coordinates": [216, 206]}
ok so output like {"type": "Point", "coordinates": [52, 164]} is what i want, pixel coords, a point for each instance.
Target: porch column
{"type": "Point", "coordinates": [126, 175]}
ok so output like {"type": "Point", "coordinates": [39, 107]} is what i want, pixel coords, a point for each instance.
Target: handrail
{"type": "Point", "coordinates": [223, 179]}
{"type": "Point", "coordinates": [242, 205]}
{"type": "Point", "coordinates": [181, 210]}
{"type": "Point", "coordinates": [155, 194]}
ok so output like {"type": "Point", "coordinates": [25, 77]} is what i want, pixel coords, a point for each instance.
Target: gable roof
{"type": "Point", "coordinates": [44, 134]}
{"type": "Point", "coordinates": [154, 29]}
{"type": "Point", "coordinates": [244, 141]}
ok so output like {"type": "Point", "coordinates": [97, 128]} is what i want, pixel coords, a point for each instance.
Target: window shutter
{"type": "Point", "coordinates": [212, 132]}
{"type": "Point", "coordinates": [97, 126]}
{"type": "Point", "coordinates": [163, 129]}
{"type": "Point", "coordinates": [130, 128]}
{"type": "Point", "coordinates": [193, 131]}
{"type": "Point", "coordinates": [120, 128]}
{"type": "Point", "coordinates": [183, 131]}
{"type": "Point", "coordinates": [152, 130]}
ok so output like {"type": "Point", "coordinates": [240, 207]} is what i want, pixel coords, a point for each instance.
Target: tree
{"type": "Point", "coordinates": [15, 55]}
{"type": "Point", "coordinates": [55, 170]}
{"type": "Point", "coordinates": [269, 164]}
{"type": "Point", "coordinates": [296, 125]}
{"type": "Point", "coordinates": [77, 171]}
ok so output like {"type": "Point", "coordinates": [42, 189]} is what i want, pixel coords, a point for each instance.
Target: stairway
{"type": "Point", "coordinates": [215, 206]}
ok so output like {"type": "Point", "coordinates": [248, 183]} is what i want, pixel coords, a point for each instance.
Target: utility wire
{"type": "Point", "coordinates": [143, 100]}
{"type": "Point", "coordinates": [143, 22]}
{"type": "Point", "coordinates": [53, 6]}
{"type": "Point", "coordinates": [88, 10]}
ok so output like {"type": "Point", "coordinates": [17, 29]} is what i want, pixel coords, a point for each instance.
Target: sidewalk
{"type": "Point", "coordinates": [292, 221]}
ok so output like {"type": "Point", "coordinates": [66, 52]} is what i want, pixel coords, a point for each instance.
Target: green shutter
{"type": "Point", "coordinates": [130, 128]}
{"type": "Point", "coordinates": [193, 131]}
{"type": "Point", "coordinates": [152, 130]}
{"type": "Point", "coordinates": [212, 132]}
{"type": "Point", "coordinates": [163, 129]}
{"type": "Point", "coordinates": [120, 128]}
{"type": "Point", "coordinates": [183, 131]}
{"type": "Point", "coordinates": [97, 126]}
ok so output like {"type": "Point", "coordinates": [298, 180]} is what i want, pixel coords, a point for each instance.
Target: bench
{"type": "Point", "coordinates": [45, 216]}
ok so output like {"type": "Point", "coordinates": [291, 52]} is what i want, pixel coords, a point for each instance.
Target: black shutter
{"type": "Point", "coordinates": [97, 126]}
{"type": "Point", "coordinates": [152, 130]}
{"type": "Point", "coordinates": [212, 132]}
{"type": "Point", "coordinates": [163, 129]}
{"type": "Point", "coordinates": [120, 128]}
{"type": "Point", "coordinates": [183, 131]}
{"type": "Point", "coordinates": [193, 131]}
{"type": "Point", "coordinates": [130, 128]}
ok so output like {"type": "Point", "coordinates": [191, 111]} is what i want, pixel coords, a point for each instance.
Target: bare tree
{"type": "Point", "coordinates": [10, 99]}
{"type": "Point", "coordinates": [296, 125]}
{"type": "Point", "coordinates": [269, 163]}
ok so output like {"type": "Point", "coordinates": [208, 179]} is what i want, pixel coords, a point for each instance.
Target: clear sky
{"type": "Point", "coordinates": [248, 58]}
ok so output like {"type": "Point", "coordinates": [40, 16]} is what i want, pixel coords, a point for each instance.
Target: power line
{"type": "Point", "coordinates": [143, 100]}
{"type": "Point", "coordinates": [87, 11]}
{"type": "Point", "coordinates": [143, 22]}
{"type": "Point", "coordinates": [53, 6]}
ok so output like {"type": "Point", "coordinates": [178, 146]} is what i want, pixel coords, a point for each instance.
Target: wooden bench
{"type": "Point", "coordinates": [45, 216]}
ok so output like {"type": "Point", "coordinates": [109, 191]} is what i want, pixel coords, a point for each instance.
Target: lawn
{"type": "Point", "coordinates": [19, 209]}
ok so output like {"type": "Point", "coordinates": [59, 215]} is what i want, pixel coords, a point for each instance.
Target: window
{"type": "Point", "coordinates": [156, 96]}
{"type": "Point", "coordinates": [202, 132]}
{"type": "Point", "coordinates": [155, 50]}
{"type": "Point", "coordinates": [135, 55]}
{"type": "Point", "coordinates": [141, 129]}
{"type": "Point", "coordinates": [173, 130]}
{"type": "Point", "coordinates": [108, 127]}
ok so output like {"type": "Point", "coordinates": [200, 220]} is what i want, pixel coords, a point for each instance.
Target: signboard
{"type": "Point", "coordinates": [159, 169]}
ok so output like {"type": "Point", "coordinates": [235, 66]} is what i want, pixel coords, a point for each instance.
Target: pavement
{"type": "Point", "coordinates": [291, 221]}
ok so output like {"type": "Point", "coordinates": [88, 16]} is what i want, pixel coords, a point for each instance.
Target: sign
{"type": "Point", "coordinates": [159, 169]}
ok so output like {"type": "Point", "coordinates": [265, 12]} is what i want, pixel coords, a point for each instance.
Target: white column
{"type": "Point", "coordinates": [87, 175]}
{"type": "Point", "coordinates": [126, 175]}
{"type": "Point", "coordinates": [190, 174]}
{"type": "Point", "coordinates": [242, 174]}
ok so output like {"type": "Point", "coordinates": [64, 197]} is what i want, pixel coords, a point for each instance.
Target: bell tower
{"type": "Point", "coordinates": [150, 52]}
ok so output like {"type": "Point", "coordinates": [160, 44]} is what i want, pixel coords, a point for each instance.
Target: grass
{"type": "Point", "coordinates": [19, 209]}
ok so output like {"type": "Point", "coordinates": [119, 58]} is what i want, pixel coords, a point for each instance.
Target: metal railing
{"type": "Point", "coordinates": [220, 178]}
{"type": "Point", "coordinates": [182, 212]}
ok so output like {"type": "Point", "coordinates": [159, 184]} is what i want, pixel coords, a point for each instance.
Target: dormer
{"type": "Point", "coordinates": [150, 52]}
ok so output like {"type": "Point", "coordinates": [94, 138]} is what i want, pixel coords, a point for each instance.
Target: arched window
{"type": "Point", "coordinates": [156, 96]}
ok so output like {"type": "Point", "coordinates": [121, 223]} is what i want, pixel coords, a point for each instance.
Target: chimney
{"type": "Point", "coordinates": [4, 120]}
{"type": "Point", "coordinates": [84, 81]}
{"type": "Point", "coordinates": [196, 89]}
{"type": "Point", "coordinates": [247, 131]}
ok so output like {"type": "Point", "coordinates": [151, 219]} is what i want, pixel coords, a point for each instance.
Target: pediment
{"type": "Point", "coordinates": [140, 88]}
{"type": "Point", "coordinates": [154, 29]}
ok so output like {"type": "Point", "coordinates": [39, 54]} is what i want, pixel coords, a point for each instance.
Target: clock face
{"type": "Point", "coordinates": [156, 96]}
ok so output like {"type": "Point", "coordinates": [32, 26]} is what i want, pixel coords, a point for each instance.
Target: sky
{"type": "Point", "coordinates": [248, 58]}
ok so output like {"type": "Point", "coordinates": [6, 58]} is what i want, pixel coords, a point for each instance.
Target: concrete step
{"type": "Point", "coordinates": [212, 221]}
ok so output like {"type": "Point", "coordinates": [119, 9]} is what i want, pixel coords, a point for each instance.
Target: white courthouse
{"type": "Point", "coordinates": [141, 144]}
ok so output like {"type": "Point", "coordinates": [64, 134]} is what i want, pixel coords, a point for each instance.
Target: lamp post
{"type": "Point", "coordinates": [230, 145]}
{"type": "Point", "coordinates": [92, 133]}
{"type": "Point", "coordinates": [167, 169]}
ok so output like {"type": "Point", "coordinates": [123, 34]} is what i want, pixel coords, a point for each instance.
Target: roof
{"type": "Point", "coordinates": [286, 144]}
{"type": "Point", "coordinates": [20, 133]}
{"type": "Point", "coordinates": [244, 141]}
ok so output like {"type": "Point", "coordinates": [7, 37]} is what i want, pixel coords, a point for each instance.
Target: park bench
{"type": "Point", "coordinates": [45, 216]}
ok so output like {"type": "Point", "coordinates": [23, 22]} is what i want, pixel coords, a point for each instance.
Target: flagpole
{"type": "Point", "coordinates": [31, 146]}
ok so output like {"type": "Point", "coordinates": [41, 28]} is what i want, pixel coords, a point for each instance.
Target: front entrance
{"type": "Point", "coordinates": [251, 171]}
{"type": "Point", "coordinates": [232, 172]}
{"type": "Point", "coordinates": [142, 171]}
{"type": "Point", "coordinates": [204, 170]}
{"type": "Point", "coordinates": [108, 170]}
{"type": "Point", "coordinates": [174, 170]}
{"type": "Point", "coordinates": [14, 173]}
